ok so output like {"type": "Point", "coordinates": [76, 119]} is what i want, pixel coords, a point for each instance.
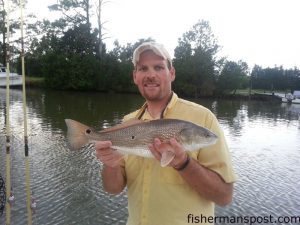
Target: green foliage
{"type": "Point", "coordinates": [65, 54]}
{"type": "Point", "coordinates": [14, 27]}
{"type": "Point", "coordinates": [75, 12]}
{"type": "Point", "coordinates": [195, 61]}
{"type": "Point", "coordinates": [79, 40]}
{"type": "Point", "coordinates": [69, 62]}
{"type": "Point", "coordinates": [233, 76]}
{"type": "Point", "coordinates": [75, 72]}
{"type": "Point", "coordinates": [118, 68]}
{"type": "Point", "coordinates": [275, 78]}
{"type": "Point", "coordinates": [72, 62]}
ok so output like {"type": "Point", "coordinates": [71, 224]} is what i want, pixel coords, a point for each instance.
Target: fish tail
{"type": "Point", "coordinates": [76, 134]}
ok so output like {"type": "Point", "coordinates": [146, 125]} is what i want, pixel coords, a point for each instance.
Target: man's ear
{"type": "Point", "coordinates": [134, 76]}
{"type": "Point", "coordinates": [172, 73]}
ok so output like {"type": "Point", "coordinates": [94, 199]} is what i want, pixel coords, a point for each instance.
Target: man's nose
{"type": "Point", "coordinates": [151, 73]}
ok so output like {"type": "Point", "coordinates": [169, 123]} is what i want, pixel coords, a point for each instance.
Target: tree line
{"type": "Point", "coordinates": [70, 54]}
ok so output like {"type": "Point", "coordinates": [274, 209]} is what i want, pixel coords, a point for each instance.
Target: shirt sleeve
{"type": "Point", "coordinates": [217, 157]}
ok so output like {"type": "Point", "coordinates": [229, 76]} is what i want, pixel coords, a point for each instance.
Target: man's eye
{"type": "Point", "coordinates": [143, 69]}
{"type": "Point", "coordinates": [158, 68]}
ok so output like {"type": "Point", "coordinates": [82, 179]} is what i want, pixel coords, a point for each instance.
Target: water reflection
{"type": "Point", "coordinates": [91, 108]}
{"type": "Point", "coordinates": [263, 138]}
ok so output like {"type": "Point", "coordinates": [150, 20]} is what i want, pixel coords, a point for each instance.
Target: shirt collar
{"type": "Point", "coordinates": [143, 113]}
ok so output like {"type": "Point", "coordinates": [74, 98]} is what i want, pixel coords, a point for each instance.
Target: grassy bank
{"type": "Point", "coordinates": [256, 94]}
{"type": "Point", "coordinates": [35, 81]}
{"type": "Point", "coordinates": [246, 92]}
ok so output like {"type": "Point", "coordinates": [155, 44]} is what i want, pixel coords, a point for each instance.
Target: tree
{"type": "Point", "coordinates": [80, 41]}
{"type": "Point", "coordinates": [233, 76]}
{"type": "Point", "coordinates": [71, 62]}
{"type": "Point", "coordinates": [275, 78]}
{"type": "Point", "coordinates": [196, 61]}
{"type": "Point", "coordinates": [44, 39]}
{"type": "Point", "coordinates": [14, 24]}
{"type": "Point", "coordinates": [118, 66]}
{"type": "Point", "coordinates": [74, 12]}
{"type": "Point", "coordinates": [101, 35]}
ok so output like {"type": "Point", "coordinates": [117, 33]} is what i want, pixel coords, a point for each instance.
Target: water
{"type": "Point", "coordinates": [264, 140]}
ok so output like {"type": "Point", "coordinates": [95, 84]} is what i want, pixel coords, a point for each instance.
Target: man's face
{"type": "Point", "coordinates": [153, 77]}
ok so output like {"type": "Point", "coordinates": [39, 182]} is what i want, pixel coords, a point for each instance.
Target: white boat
{"type": "Point", "coordinates": [290, 98]}
{"type": "Point", "coordinates": [14, 78]}
{"type": "Point", "coordinates": [294, 101]}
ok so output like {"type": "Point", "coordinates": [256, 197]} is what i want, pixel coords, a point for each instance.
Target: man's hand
{"type": "Point", "coordinates": [107, 155]}
{"type": "Point", "coordinates": [205, 181]}
{"type": "Point", "coordinates": [158, 147]}
{"type": "Point", "coordinates": [113, 175]}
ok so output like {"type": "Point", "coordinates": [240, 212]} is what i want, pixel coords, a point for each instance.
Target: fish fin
{"type": "Point", "coordinates": [128, 123]}
{"type": "Point", "coordinates": [76, 134]}
{"type": "Point", "coordinates": [166, 158]}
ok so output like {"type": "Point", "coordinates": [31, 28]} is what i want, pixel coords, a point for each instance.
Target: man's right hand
{"type": "Point", "coordinates": [107, 155]}
{"type": "Point", "coordinates": [113, 174]}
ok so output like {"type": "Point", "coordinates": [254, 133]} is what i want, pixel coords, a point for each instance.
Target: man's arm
{"type": "Point", "coordinates": [206, 182]}
{"type": "Point", "coordinates": [113, 174]}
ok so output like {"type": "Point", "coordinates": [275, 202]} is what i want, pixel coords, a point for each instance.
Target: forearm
{"type": "Point", "coordinates": [113, 179]}
{"type": "Point", "coordinates": [207, 183]}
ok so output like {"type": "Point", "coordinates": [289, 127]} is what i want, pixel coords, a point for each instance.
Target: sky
{"type": "Point", "coordinates": [261, 32]}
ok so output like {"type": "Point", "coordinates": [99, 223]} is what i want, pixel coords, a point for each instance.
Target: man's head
{"type": "Point", "coordinates": [153, 73]}
{"type": "Point", "coordinates": [156, 48]}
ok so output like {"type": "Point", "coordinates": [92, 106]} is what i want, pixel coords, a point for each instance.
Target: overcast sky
{"type": "Point", "coordinates": [263, 32]}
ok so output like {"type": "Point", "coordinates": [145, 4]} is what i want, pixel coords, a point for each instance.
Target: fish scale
{"type": "Point", "coordinates": [133, 137]}
{"type": "Point", "coordinates": [140, 135]}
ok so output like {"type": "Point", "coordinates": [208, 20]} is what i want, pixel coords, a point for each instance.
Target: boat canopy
{"type": "Point", "coordinates": [296, 94]}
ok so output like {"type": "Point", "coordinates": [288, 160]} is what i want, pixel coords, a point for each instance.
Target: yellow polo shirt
{"type": "Point", "coordinates": [159, 196]}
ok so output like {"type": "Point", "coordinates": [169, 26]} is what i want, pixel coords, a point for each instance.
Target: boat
{"type": "Point", "coordinates": [294, 101]}
{"type": "Point", "coordinates": [14, 78]}
{"type": "Point", "coordinates": [291, 98]}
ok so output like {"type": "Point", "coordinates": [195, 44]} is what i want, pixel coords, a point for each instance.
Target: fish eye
{"type": "Point", "coordinates": [88, 131]}
{"type": "Point", "coordinates": [132, 137]}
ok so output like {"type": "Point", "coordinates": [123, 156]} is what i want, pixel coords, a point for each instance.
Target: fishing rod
{"type": "Point", "coordinates": [29, 199]}
{"type": "Point", "coordinates": [7, 122]}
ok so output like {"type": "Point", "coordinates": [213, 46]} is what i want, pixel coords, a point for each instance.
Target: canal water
{"type": "Point", "coordinates": [264, 140]}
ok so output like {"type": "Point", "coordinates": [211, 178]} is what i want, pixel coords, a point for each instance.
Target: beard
{"type": "Point", "coordinates": [152, 90]}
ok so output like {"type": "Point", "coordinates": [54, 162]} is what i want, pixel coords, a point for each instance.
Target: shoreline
{"type": "Point", "coordinates": [33, 82]}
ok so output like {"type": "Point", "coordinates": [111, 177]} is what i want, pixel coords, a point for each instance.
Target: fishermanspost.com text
{"type": "Point", "coordinates": [268, 219]}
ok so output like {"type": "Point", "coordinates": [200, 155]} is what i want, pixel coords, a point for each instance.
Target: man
{"type": "Point", "coordinates": [193, 182]}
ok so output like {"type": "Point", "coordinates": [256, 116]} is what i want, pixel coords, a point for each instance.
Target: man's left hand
{"type": "Point", "coordinates": [158, 147]}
